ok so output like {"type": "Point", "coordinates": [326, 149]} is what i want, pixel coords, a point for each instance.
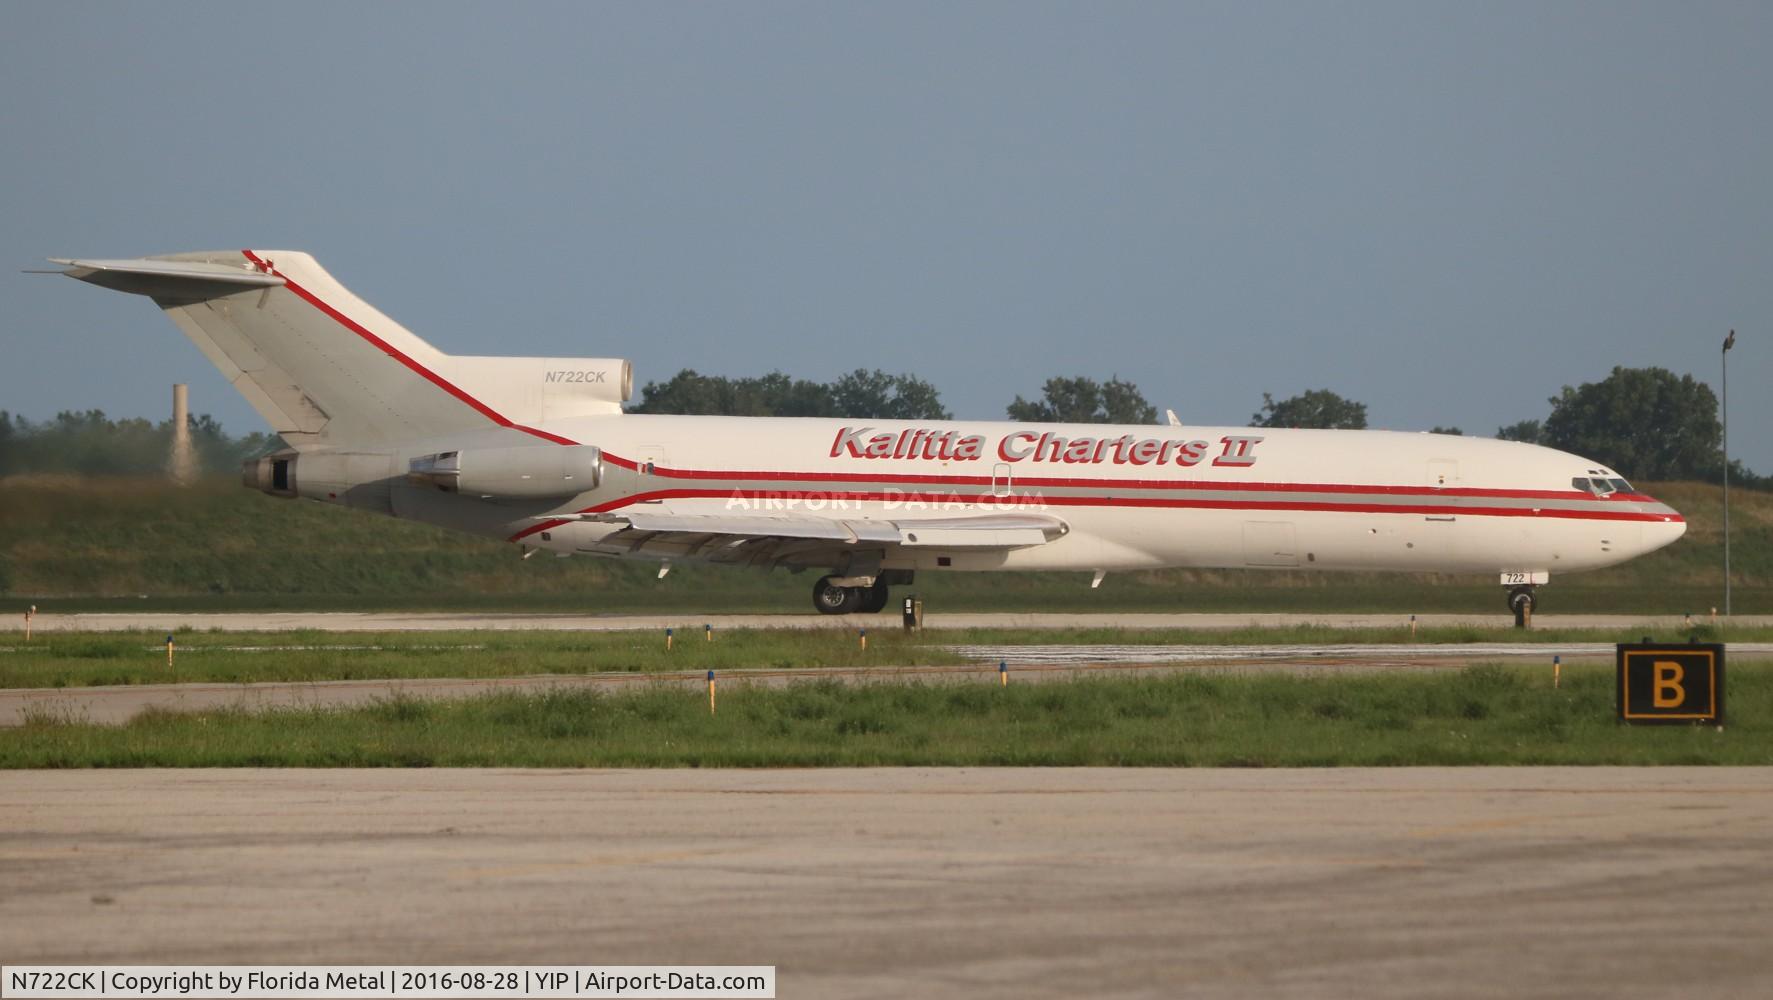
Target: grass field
{"type": "Point", "coordinates": [81, 660]}
{"type": "Point", "coordinates": [126, 544]}
{"type": "Point", "coordinates": [74, 660]}
{"type": "Point", "coordinates": [1482, 715]}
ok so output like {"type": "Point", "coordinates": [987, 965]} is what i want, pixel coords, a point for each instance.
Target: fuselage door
{"type": "Point", "coordinates": [1001, 480]}
{"type": "Point", "coordinates": [649, 457]}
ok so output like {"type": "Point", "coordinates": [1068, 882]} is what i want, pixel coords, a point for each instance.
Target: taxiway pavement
{"type": "Point", "coordinates": [975, 883]}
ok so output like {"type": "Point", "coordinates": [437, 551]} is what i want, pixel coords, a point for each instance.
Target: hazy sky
{"type": "Point", "coordinates": [1447, 211]}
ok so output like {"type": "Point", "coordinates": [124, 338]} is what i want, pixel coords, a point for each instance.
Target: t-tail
{"type": "Point", "coordinates": [328, 371]}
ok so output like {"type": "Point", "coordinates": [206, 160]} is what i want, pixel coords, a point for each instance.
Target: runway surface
{"type": "Point", "coordinates": [444, 621]}
{"type": "Point", "coordinates": [1471, 882]}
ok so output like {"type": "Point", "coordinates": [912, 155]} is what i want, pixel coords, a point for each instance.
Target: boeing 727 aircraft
{"type": "Point", "coordinates": [537, 451]}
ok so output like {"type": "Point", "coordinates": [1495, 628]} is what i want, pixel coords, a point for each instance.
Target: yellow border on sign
{"type": "Point", "coordinates": [1711, 663]}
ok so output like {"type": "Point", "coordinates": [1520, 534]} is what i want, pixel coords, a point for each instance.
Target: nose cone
{"type": "Point", "coordinates": [1660, 533]}
{"type": "Point", "coordinates": [1668, 526]}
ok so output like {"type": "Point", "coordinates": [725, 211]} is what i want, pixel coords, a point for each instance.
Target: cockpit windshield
{"type": "Point", "coordinates": [1601, 486]}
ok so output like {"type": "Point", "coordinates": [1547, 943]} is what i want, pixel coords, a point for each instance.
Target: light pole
{"type": "Point", "coordinates": [1729, 342]}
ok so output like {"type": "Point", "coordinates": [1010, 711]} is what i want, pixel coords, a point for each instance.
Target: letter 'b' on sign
{"type": "Point", "coordinates": [1669, 693]}
{"type": "Point", "coordinates": [1671, 683]}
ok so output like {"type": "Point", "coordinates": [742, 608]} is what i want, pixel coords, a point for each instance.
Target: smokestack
{"type": "Point", "coordinates": [181, 465]}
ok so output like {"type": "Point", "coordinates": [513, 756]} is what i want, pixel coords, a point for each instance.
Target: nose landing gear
{"type": "Point", "coordinates": [1521, 601]}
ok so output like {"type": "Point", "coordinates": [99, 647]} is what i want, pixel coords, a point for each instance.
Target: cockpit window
{"type": "Point", "coordinates": [1622, 486]}
{"type": "Point", "coordinates": [1598, 486]}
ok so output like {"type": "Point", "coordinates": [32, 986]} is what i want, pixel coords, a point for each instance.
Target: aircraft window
{"type": "Point", "coordinates": [1580, 483]}
{"type": "Point", "coordinates": [1599, 487]}
{"type": "Point", "coordinates": [1622, 486]}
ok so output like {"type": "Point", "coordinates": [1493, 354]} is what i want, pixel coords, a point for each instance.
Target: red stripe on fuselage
{"type": "Point", "coordinates": [1182, 503]}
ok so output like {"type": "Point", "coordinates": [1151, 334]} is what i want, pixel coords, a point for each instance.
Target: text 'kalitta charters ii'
{"type": "Point", "coordinates": [919, 443]}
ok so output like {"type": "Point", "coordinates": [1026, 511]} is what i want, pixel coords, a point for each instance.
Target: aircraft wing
{"type": "Point", "coordinates": [761, 537]}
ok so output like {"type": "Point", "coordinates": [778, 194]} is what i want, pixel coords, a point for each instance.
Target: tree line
{"type": "Point", "coordinates": [1645, 423]}
{"type": "Point", "coordinates": [861, 394]}
{"type": "Point", "coordinates": [88, 443]}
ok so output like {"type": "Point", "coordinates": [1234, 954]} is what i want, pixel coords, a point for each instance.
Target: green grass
{"type": "Point", "coordinates": [133, 544]}
{"type": "Point", "coordinates": [1301, 635]}
{"type": "Point", "coordinates": [88, 659]}
{"type": "Point", "coordinates": [62, 659]}
{"type": "Point", "coordinates": [1482, 715]}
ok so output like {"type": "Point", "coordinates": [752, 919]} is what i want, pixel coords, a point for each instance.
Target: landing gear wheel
{"type": "Point", "coordinates": [874, 599]}
{"type": "Point", "coordinates": [1522, 601]}
{"type": "Point", "coordinates": [831, 599]}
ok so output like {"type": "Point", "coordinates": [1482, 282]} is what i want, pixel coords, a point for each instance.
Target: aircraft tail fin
{"type": "Point", "coordinates": [327, 369]}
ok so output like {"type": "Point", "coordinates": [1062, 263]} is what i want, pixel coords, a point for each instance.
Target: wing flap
{"type": "Point", "coordinates": [981, 531]}
{"type": "Point", "coordinates": [754, 526]}
{"type": "Point", "coordinates": [971, 538]}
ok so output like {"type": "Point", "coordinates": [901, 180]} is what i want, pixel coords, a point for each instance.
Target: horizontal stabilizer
{"type": "Point", "coordinates": [169, 279]}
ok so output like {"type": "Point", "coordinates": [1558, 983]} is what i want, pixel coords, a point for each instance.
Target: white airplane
{"type": "Point", "coordinates": [537, 451]}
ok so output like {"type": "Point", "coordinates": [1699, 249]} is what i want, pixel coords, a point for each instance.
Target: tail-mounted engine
{"type": "Point", "coordinates": [353, 478]}
{"type": "Point", "coordinates": [362, 478]}
{"type": "Point", "coordinates": [512, 473]}
{"type": "Point", "coordinates": [273, 474]}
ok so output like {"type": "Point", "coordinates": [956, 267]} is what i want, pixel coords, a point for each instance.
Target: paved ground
{"type": "Point", "coordinates": [437, 621]}
{"type": "Point", "coordinates": [1411, 883]}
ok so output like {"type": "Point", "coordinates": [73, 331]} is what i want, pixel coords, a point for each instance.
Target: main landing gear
{"type": "Point", "coordinates": [832, 599]}
{"type": "Point", "coordinates": [1521, 601]}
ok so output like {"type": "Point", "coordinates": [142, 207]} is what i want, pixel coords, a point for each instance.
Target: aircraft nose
{"type": "Point", "coordinates": [1666, 530]}
{"type": "Point", "coordinates": [1663, 533]}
